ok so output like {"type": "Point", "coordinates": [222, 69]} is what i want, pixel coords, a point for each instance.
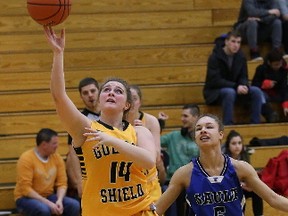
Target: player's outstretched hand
{"type": "Point", "coordinates": [57, 43]}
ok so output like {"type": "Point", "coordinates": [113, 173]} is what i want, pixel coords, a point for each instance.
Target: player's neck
{"type": "Point", "coordinates": [212, 163]}
{"type": "Point", "coordinates": [112, 121]}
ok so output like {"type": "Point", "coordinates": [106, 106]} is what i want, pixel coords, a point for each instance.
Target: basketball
{"type": "Point", "coordinates": [49, 12]}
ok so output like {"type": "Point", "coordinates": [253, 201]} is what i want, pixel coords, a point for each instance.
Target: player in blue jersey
{"type": "Point", "coordinates": [212, 181]}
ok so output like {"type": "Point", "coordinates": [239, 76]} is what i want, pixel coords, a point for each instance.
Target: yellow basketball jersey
{"type": "Point", "coordinates": [113, 184]}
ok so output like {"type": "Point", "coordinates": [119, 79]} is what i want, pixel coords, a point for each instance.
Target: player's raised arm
{"type": "Point", "coordinates": [73, 121]}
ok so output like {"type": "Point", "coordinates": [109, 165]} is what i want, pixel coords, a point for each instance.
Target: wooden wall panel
{"type": "Point", "coordinates": [220, 4]}
{"type": "Point", "coordinates": [110, 39]}
{"type": "Point", "coordinates": [16, 7]}
{"type": "Point", "coordinates": [7, 197]}
{"type": "Point", "coordinates": [152, 96]}
{"type": "Point", "coordinates": [225, 17]}
{"type": "Point", "coordinates": [8, 171]}
{"type": "Point", "coordinates": [30, 123]}
{"type": "Point", "coordinates": [13, 146]}
{"type": "Point", "coordinates": [17, 81]}
{"type": "Point", "coordinates": [114, 21]}
{"type": "Point", "coordinates": [157, 56]}
{"type": "Point", "coordinates": [261, 155]}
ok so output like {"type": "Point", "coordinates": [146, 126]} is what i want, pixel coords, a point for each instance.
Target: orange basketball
{"type": "Point", "coordinates": [49, 12]}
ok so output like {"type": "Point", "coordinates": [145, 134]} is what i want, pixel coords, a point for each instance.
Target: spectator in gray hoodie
{"type": "Point", "coordinates": [283, 7]}
{"type": "Point", "coordinates": [259, 21]}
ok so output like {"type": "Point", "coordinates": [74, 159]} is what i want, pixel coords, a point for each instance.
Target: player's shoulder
{"type": "Point", "coordinates": [239, 163]}
{"type": "Point", "coordinates": [242, 168]}
{"type": "Point", "coordinates": [183, 174]}
{"type": "Point", "coordinates": [141, 128]}
{"type": "Point", "coordinates": [150, 118]}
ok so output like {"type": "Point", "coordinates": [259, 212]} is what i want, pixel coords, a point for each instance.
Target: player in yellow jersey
{"type": "Point", "coordinates": [137, 117]}
{"type": "Point", "coordinates": [114, 154]}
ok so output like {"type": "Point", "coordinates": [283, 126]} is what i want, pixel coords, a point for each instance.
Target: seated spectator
{"type": "Point", "coordinates": [283, 7]}
{"type": "Point", "coordinates": [41, 180]}
{"type": "Point", "coordinates": [271, 77]}
{"type": "Point", "coordinates": [235, 148]}
{"type": "Point", "coordinates": [181, 148]}
{"type": "Point", "coordinates": [259, 21]}
{"type": "Point", "coordinates": [227, 81]}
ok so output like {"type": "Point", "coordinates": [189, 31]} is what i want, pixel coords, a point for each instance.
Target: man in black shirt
{"type": "Point", "coordinates": [227, 80]}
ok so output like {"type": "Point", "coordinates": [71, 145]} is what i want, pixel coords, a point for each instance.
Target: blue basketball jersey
{"type": "Point", "coordinates": [215, 195]}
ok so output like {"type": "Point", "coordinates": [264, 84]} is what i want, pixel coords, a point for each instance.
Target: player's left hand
{"type": "Point", "coordinates": [100, 136]}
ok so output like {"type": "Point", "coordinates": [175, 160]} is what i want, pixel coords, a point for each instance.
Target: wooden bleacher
{"type": "Point", "coordinates": [161, 45]}
{"type": "Point", "coordinates": [149, 75]}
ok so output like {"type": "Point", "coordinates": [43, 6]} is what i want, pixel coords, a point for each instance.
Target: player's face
{"type": "Point", "coordinates": [233, 44]}
{"type": "Point", "coordinates": [89, 96]}
{"type": "Point", "coordinates": [207, 132]}
{"type": "Point", "coordinates": [113, 96]}
{"type": "Point", "coordinates": [136, 100]}
{"type": "Point", "coordinates": [187, 118]}
{"type": "Point", "coordinates": [235, 146]}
